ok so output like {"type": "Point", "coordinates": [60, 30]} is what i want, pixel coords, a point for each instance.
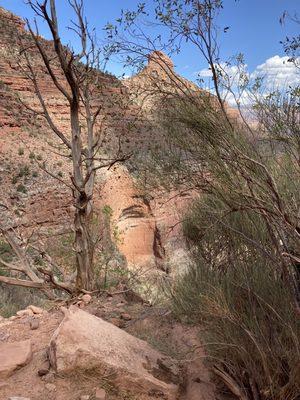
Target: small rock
{"type": "Point", "coordinates": [120, 304]}
{"type": "Point", "coordinates": [13, 318]}
{"type": "Point", "coordinates": [35, 309]}
{"type": "Point", "coordinates": [85, 397]}
{"type": "Point", "coordinates": [126, 317]}
{"type": "Point", "coordinates": [100, 394]}
{"type": "Point", "coordinates": [50, 386]}
{"type": "Point", "coordinates": [86, 298]}
{"type": "Point", "coordinates": [34, 324]}
{"type": "Point", "coordinates": [27, 312]}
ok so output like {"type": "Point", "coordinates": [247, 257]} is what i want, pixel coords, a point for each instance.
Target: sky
{"type": "Point", "coordinates": [254, 31]}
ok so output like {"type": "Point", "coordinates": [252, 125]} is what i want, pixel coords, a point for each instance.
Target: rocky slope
{"type": "Point", "coordinates": [37, 200]}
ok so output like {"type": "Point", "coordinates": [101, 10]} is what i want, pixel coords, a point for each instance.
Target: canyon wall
{"type": "Point", "coordinates": [37, 200]}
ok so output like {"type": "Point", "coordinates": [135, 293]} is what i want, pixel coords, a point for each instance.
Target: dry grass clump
{"type": "Point", "coordinates": [251, 329]}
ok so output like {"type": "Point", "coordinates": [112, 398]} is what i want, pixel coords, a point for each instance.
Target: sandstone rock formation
{"type": "Point", "coordinates": [84, 342]}
{"type": "Point", "coordinates": [13, 356]}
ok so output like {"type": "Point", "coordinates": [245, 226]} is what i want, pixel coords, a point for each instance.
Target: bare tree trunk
{"type": "Point", "coordinates": [83, 206]}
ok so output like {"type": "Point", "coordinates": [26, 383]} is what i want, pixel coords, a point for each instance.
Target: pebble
{"type": "Point", "coordinates": [85, 397]}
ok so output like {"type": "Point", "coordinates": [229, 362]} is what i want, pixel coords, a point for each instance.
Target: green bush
{"type": "Point", "coordinates": [24, 171]}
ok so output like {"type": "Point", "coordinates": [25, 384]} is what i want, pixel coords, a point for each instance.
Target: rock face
{"type": "Point", "coordinates": [132, 218]}
{"type": "Point", "coordinates": [13, 356]}
{"type": "Point", "coordinates": [85, 342]}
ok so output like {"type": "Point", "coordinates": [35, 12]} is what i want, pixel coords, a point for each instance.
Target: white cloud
{"type": "Point", "coordinates": [204, 73]}
{"type": "Point", "coordinates": [231, 70]}
{"type": "Point", "coordinates": [277, 72]}
{"type": "Point", "coordinates": [244, 99]}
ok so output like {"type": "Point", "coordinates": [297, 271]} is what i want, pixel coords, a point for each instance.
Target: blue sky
{"type": "Point", "coordinates": [254, 30]}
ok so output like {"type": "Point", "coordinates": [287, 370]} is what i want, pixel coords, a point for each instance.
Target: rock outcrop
{"type": "Point", "coordinates": [13, 356]}
{"type": "Point", "coordinates": [84, 342]}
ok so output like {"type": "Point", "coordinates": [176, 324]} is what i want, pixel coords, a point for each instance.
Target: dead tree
{"type": "Point", "coordinates": [79, 84]}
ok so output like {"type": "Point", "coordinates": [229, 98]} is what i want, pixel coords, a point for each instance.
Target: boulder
{"type": "Point", "coordinates": [13, 356]}
{"type": "Point", "coordinates": [85, 342]}
{"type": "Point", "coordinates": [27, 313]}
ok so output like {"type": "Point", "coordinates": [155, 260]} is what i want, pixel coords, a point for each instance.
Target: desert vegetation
{"type": "Point", "coordinates": [242, 286]}
{"type": "Point", "coordinates": [239, 287]}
